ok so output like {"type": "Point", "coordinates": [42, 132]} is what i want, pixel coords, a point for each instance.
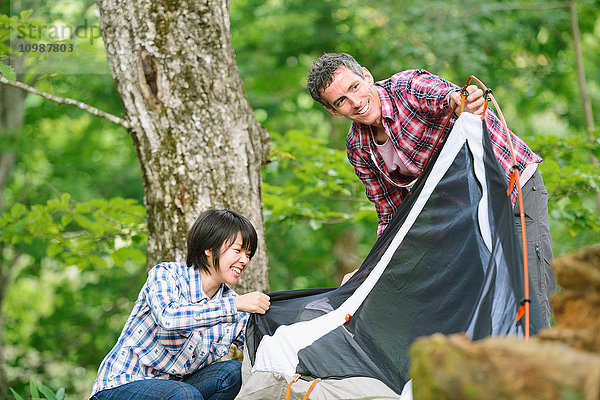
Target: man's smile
{"type": "Point", "coordinates": [365, 109]}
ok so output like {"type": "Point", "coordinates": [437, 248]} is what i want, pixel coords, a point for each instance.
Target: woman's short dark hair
{"type": "Point", "coordinates": [212, 230]}
{"type": "Point", "coordinates": [322, 71]}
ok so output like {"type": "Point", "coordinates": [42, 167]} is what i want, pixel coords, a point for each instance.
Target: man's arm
{"type": "Point", "coordinates": [434, 96]}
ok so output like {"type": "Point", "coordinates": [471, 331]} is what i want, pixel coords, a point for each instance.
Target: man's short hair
{"type": "Point", "coordinates": [322, 72]}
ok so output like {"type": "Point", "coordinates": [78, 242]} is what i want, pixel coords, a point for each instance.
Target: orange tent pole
{"type": "Point", "coordinates": [514, 180]}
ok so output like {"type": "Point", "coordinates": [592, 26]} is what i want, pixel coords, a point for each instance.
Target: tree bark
{"type": "Point", "coordinates": [197, 140]}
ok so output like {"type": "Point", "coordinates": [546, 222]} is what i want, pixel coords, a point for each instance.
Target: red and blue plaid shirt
{"type": "Point", "coordinates": [414, 107]}
{"type": "Point", "coordinates": [173, 330]}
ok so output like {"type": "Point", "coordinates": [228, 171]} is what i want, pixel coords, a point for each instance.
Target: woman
{"type": "Point", "coordinates": [185, 318]}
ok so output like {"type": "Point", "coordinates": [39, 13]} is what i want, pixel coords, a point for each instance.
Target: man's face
{"type": "Point", "coordinates": [353, 97]}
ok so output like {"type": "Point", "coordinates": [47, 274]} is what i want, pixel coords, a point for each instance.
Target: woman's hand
{"type": "Point", "coordinates": [254, 302]}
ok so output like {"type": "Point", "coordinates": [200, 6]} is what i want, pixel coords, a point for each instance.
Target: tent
{"type": "Point", "coordinates": [448, 262]}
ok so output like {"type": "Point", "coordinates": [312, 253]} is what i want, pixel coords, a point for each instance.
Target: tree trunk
{"type": "Point", "coordinates": [196, 137]}
{"type": "Point", "coordinates": [12, 106]}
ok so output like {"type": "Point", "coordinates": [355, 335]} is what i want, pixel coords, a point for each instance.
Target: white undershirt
{"type": "Point", "coordinates": [391, 158]}
{"type": "Point", "coordinates": [527, 174]}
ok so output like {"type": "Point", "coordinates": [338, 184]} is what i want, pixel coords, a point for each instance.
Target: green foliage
{"type": "Point", "coordinates": [8, 72]}
{"type": "Point", "coordinates": [73, 267]}
{"type": "Point", "coordinates": [13, 27]}
{"type": "Point", "coordinates": [572, 181]}
{"type": "Point", "coordinates": [51, 37]}
{"type": "Point", "coordinates": [311, 195]}
{"type": "Point", "coordinates": [34, 392]}
{"type": "Point", "coordinates": [308, 180]}
{"type": "Point", "coordinates": [79, 233]}
{"type": "Point", "coordinates": [84, 253]}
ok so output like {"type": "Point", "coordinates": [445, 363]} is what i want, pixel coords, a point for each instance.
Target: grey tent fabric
{"type": "Point", "coordinates": [448, 262]}
{"type": "Point", "coordinates": [274, 386]}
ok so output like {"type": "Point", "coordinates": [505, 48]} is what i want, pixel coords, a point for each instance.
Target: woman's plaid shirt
{"type": "Point", "coordinates": [414, 107]}
{"type": "Point", "coordinates": [173, 330]}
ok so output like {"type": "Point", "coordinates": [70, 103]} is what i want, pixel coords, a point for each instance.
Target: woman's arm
{"type": "Point", "coordinates": [171, 310]}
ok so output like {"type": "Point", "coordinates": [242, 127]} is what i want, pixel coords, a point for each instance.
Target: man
{"type": "Point", "coordinates": [395, 123]}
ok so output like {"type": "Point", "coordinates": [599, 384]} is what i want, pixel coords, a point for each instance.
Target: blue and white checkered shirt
{"type": "Point", "coordinates": [173, 330]}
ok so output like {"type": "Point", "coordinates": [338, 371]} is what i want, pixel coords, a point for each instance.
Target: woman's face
{"type": "Point", "coordinates": [232, 262]}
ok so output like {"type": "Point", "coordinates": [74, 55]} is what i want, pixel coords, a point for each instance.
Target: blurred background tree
{"type": "Point", "coordinates": [72, 232]}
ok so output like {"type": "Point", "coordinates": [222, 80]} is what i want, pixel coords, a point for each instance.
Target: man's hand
{"type": "Point", "coordinates": [473, 103]}
{"type": "Point", "coordinates": [348, 276]}
{"type": "Point", "coordinates": [255, 302]}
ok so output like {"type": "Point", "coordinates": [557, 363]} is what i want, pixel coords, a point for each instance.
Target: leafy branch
{"type": "Point", "coordinates": [80, 233]}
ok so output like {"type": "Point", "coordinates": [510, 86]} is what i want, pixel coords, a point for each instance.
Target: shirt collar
{"type": "Point", "coordinates": [197, 292]}
{"type": "Point", "coordinates": [387, 106]}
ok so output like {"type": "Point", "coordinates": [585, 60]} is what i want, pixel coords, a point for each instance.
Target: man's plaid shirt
{"type": "Point", "coordinates": [173, 330]}
{"type": "Point", "coordinates": [414, 107]}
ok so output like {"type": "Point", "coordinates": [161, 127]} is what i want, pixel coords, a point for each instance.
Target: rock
{"type": "Point", "coordinates": [453, 368]}
{"type": "Point", "coordinates": [577, 305]}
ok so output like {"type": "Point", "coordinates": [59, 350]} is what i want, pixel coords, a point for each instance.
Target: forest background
{"type": "Point", "coordinates": [72, 233]}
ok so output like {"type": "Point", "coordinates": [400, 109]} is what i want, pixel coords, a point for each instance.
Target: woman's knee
{"type": "Point", "coordinates": [235, 371]}
{"type": "Point", "coordinates": [234, 374]}
{"type": "Point", "coordinates": [187, 392]}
